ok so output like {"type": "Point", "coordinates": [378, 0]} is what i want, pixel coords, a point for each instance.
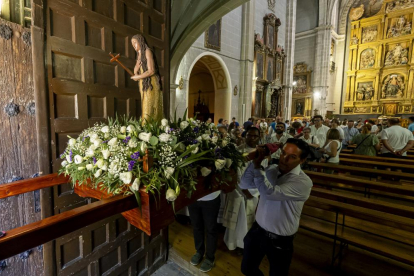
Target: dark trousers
{"type": "Point", "coordinates": [390, 155]}
{"type": "Point", "coordinates": [257, 244]}
{"type": "Point", "coordinates": [203, 216]}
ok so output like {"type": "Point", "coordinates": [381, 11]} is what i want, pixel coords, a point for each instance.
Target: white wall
{"type": "Point", "coordinates": [305, 49]}
{"type": "Point", "coordinates": [306, 15]}
{"type": "Point", "coordinates": [262, 9]}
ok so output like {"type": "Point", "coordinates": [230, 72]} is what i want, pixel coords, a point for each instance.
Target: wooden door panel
{"type": "Point", "coordinates": [85, 88]}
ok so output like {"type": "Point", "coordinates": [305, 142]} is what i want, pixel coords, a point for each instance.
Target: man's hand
{"type": "Point", "coordinates": [260, 155]}
{"type": "Point", "coordinates": [136, 77]}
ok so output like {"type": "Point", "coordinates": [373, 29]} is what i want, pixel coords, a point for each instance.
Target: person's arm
{"type": "Point", "coordinates": [315, 142]}
{"type": "Point", "coordinates": [387, 146]}
{"type": "Point", "coordinates": [150, 65]}
{"type": "Point", "coordinates": [291, 190]}
{"type": "Point", "coordinates": [247, 179]}
{"type": "Point", "coordinates": [137, 66]}
{"type": "Point", "coordinates": [406, 148]}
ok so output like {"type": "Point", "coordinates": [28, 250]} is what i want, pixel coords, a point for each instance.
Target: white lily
{"type": "Point", "coordinates": [106, 153]}
{"type": "Point", "coordinates": [164, 137]}
{"type": "Point", "coordinates": [123, 129]}
{"type": "Point", "coordinates": [184, 124]}
{"type": "Point", "coordinates": [228, 162]}
{"type": "Point", "coordinates": [205, 171]}
{"type": "Point", "coordinates": [98, 173]}
{"type": "Point", "coordinates": [145, 136]}
{"type": "Point", "coordinates": [168, 172]}
{"type": "Point", "coordinates": [164, 122]}
{"type": "Point", "coordinates": [126, 177]}
{"type": "Point", "coordinates": [220, 163]}
{"type": "Point", "coordinates": [135, 185]}
{"type": "Point", "coordinates": [113, 141]}
{"type": "Point", "coordinates": [72, 142]}
{"type": "Point", "coordinates": [78, 159]}
{"type": "Point", "coordinates": [171, 195]}
{"type": "Point", "coordinates": [89, 167]}
{"type": "Point", "coordinates": [105, 129]}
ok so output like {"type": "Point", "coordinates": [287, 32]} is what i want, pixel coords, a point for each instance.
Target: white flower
{"type": "Point", "coordinates": [126, 177]}
{"type": "Point", "coordinates": [93, 137]}
{"type": "Point", "coordinates": [98, 173]}
{"type": "Point", "coordinates": [115, 167]}
{"type": "Point", "coordinates": [135, 185]}
{"type": "Point", "coordinates": [228, 162]}
{"type": "Point", "coordinates": [164, 137]}
{"type": "Point", "coordinates": [205, 137]}
{"type": "Point", "coordinates": [105, 129]}
{"type": "Point", "coordinates": [113, 141]}
{"type": "Point", "coordinates": [199, 139]}
{"type": "Point", "coordinates": [184, 124]}
{"type": "Point", "coordinates": [145, 136]}
{"type": "Point", "coordinates": [78, 159]}
{"type": "Point", "coordinates": [133, 143]}
{"type": "Point", "coordinates": [220, 163]}
{"type": "Point", "coordinates": [97, 142]}
{"type": "Point", "coordinates": [68, 158]}
{"type": "Point", "coordinates": [224, 142]}
{"type": "Point", "coordinates": [89, 167]}
{"type": "Point", "coordinates": [205, 171]}
{"type": "Point", "coordinates": [171, 195]}
{"type": "Point", "coordinates": [130, 128]}
{"type": "Point", "coordinates": [123, 129]}
{"type": "Point", "coordinates": [105, 166]}
{"type": "Point", "coordinates": [167, 129]}
{"type": "Point", "coordinates": [214, 139]}
{"type": "Point", "coordinates": [164, 122]}
{"type": "Point", "coordinates": [81, 168]}
{"type": "Point", "coordinates": [106, 135]}
{"type": "Point", "coordinates": [100, 163]}
{"type": "Point", "coordinates": [72, 142]}
{"type": "Point", "coordinates": [93, 147]}
{"type": "Point", "coordinates": [106, 153]}
{"type": "Point", "coordinates": [168, 172]}
{"type": "Point", "coordinates": [143, 147]}
{"type": "Point", "coordinates": [195, 150]}
{"type": "Point", "coordinates": [64, 163]}
{"type": "Point", "coordinates": [90, 152]}
{"type": "Point", "coordinates": [212, 125]}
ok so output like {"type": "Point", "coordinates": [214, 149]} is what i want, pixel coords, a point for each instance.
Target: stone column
{"type": "Point", "coordinates": [290, 57]}
{"type": "Point", "coordinates": [173, 103]}
{"type": "Point", "coordinates": [246, 62]}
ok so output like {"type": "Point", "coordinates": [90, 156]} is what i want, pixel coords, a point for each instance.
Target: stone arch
{"type": "Point", "coordinates": [221, 79]}
{"type": "Point", "coordinates": [343, 21]}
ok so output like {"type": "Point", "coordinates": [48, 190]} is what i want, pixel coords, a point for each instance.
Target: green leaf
{"type": "Point", "coordinates": [153, 140]}
{"type": "Point", "coordinates": [138, 197]}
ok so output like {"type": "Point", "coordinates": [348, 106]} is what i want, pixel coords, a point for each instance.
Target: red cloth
{"type": "Point", "coordinates": [300, 130]}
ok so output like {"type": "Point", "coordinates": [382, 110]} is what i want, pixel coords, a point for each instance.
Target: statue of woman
{"type": "Point", "coordinates": [150, 87]}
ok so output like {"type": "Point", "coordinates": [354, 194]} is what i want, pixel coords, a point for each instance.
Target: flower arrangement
{"type": "Point", "coordinates": [109, 156]}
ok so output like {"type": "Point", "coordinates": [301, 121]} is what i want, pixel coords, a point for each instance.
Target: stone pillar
{"type": "Point", "coordinates": [246, 62]}
{"type": "Point", "coordinates": [173, 103]}
{"type": "Point", "coordinates": [290, 58]}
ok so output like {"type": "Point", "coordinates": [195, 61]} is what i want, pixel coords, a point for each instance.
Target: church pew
{"type": "Point", "coordinates": [409, 152]}
{"type": "Point", "coordinates": [379, 165]}
{"type": "Point", "coordinates": [377, 158]}
{"type": "Point", "coordinates": [346, 231]}
{"type": "Point", "coordinates": [366, 187]}
{"type": "Point", "coordinates": [366, 172]}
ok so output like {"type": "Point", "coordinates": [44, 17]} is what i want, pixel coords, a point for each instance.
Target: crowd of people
{"type": "Point", "coordinates": [262, 214]}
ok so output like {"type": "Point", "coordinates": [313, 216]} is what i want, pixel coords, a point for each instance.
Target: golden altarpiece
{"type": "Point", "coordinates": [302, 91]}
{"type": "Point", "coordinates": [269, 61]}
{"type": "Point", "coordinates": [381, 63]}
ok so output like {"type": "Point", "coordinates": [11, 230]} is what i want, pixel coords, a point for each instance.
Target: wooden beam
{"type": "Point", "coordinates": [30, 185]}
{"type": "Point", "coordinates": [23, 238]}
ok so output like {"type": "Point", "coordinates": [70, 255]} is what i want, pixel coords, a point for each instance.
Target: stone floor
{"type": "Point", "coordinates": [171, 269]}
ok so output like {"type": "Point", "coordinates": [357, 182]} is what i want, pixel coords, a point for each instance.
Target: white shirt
{"type": "Point", "coordinates": [341, 133]}
{"type": "Point", "coordinates": [312, 139]}
{"type": "Point", "coordinates": [374, 129]}
{"type": "Point", "coordinates": [334, 159]}
{"type": "Point", "coordinates": [320, 133]}
{"type": "Point", "coordinates": [282, 140]}
{"type": "Point", "coordinates": [397, 137]}
{"type": "Point", "coordinates": [281, 198]}
{"type": "Point", "coordinates": [211, 196]}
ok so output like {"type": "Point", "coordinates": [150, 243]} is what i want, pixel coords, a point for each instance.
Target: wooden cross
{"type": "Point", "coordinates": [115, 58]}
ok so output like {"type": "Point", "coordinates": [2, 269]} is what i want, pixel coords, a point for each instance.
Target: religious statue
{"type": "Point", "coordinates": [354, 40]}
{"type": "Point", "coordinates": [367, 59]}
{"type": "Point", "coordinates": [147, 74]}
{"type": "Point", "coordinates": [397, 56]}
{"type": "Point", "coordinates": [399, 27]}
{"type": "Point", "coordinates": [393, 87]}
{"type": "Point", "coordinates": [299, 109]}
{"type": "Point", "coordinates": [369, 34]}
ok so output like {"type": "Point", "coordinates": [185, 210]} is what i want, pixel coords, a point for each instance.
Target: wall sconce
{"type": "Point", "coordinates": [235, 90]}
{"type": "Point", "coordinates": [318, 96]}
{"type": "Point", "coordinates": [181, 83]}
{"type": "Point", "coordinates": [294, 83]}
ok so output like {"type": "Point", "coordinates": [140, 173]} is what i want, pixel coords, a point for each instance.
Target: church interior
{"type": "Point", "coordinates": [67, 66]}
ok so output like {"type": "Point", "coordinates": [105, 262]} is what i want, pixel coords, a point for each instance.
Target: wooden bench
{"type": "Point", "coordinates": [366, 172]}
{"type": "Point", "coordinates": [383, 228]}
{"type": "Point", "coordinates": [377, 158]}
{"type": "Point", "coordinates": [379, 165]}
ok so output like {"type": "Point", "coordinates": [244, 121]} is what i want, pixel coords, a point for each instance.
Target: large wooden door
{"type": "Point", "coordinates": [84, 88]}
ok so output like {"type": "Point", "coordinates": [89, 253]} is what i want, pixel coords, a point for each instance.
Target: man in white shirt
{"type": "Point", "coordinates": [280, 137]}
{"type": "Point", "coordinates": [396, 140]}
{"type": "Point", "coordinates": [374, 127]}
{"type": "Point", "coordinates": [283, 191]}
{"type": "Point", "coordinates": [319, 130]}
{"type": "Point", "coordinates": [335, 125]}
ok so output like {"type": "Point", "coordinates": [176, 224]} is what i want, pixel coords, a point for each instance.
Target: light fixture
{"type": "Point", "coordinates": [294, 83]}
{"type": "Point", "coordinates": [317, 95]}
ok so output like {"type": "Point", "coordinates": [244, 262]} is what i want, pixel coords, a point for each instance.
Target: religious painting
{"type": "Point", "coordinates": [270, 39]}
{"type": "Point", "coordinates": [397, 54]}
{"type": "Point", "coordinates": [393, 86]}
{"type": "Point", "coordinates": [258, 100]}
{"type": "Point", "coordinates": [259, 65]}
{"type": "Point", "coordinates": [270, 68]}
{"type": "Point", "coordinates": [361, 109]}
{"type": "Point", "coordinates": [299, 107]}
{"type": "Point", "coordinates": [369, 34]}
{"type": "Point", "coordinates": [367, 59]}
{"type": "Point", "coordinates": [399, 5]}
{"type": "Point", "coordinates": [212, 38]}
{"type": "Point", "coordinates": [278, 70]}
{"type": "Point", "coordinates": [300, 84]}
{"type": "Point", "coordinates": [399, 26]}
{"type": "Point", "coordinates": [365, 91]}
{"type": "Point", "coordinates": [390, 109]}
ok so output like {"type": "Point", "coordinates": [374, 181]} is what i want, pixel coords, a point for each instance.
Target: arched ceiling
{"type": "Point", "coordinates": [189, 19]}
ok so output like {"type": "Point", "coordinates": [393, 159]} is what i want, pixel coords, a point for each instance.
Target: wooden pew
{"type": "Point", "coordinates": [366, 172]}
{"type": "Point", "coordinates": [377, 158]}
{"type": "Point", "coordinates": [379, 165]}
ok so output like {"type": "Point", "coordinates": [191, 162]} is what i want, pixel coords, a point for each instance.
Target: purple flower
{"type": "Point", "coordinates": [127, 139]}
{"type": "Point", "coordinates": [62, 156]}
{"type": "Point", "coordinates": [85, 137]}
{"type": "Point", "coordinates": [196, 129]}
{"type": "Point", "coordinates": [106, 141]}
{"type": "Point", "coordinates": [135, 155]}
{"type": "Point", "coordinates": [94, 160]}
{"type": "Point", "coordinates": [70, 155]}
{"type": "Point", "coordinates": [131, 165]}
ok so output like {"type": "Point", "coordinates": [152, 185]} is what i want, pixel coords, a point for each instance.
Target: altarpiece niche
{"type": "Point", "coordinates": [302, 91]}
